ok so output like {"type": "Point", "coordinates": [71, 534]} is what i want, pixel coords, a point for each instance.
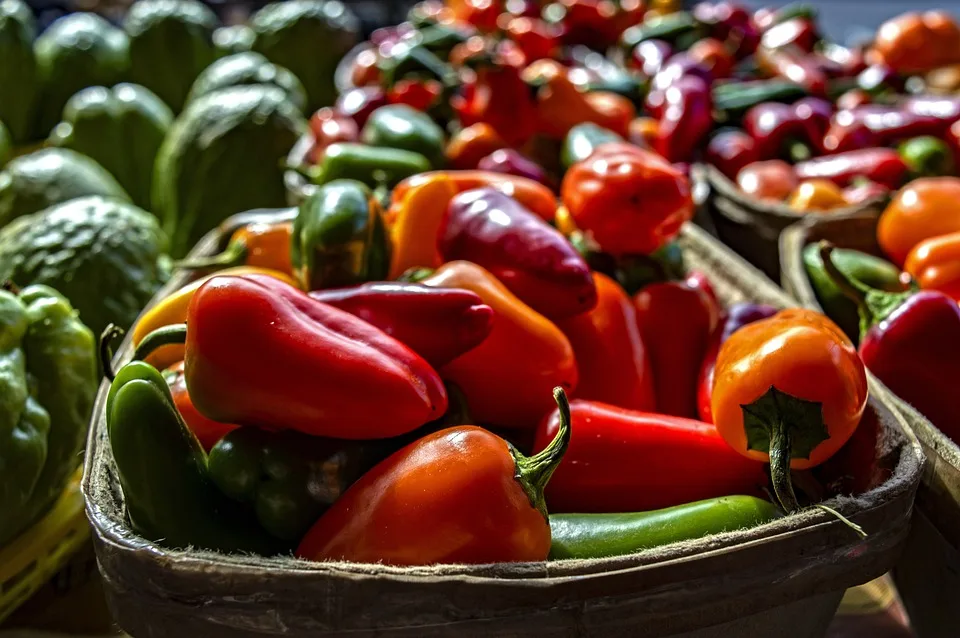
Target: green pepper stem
{"type": "Point", "coordinates": [780, 446]}
{"type": "Point", "coordinates": [168, 335]}
{"type": "Point", "coordinates": [852, 288]}
{"type": "Point", "coordinates": [105, 348]}
{"type": "Point", "coordinates": [415, 275]}
{"type": "Point", "coordinates": [234, 255]}
{"type": "Point", "coordinates": [534, 472]}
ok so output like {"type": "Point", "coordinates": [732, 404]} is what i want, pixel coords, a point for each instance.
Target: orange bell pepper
{"type": "Point", "coordinates": [419, 213]}
{"type": "Point", "coordinates": [612, 361]}
{"type": "Point", "coordinates": [259, 245]}
{"type": "Point", "coordinates": [173, 309]}
{"type": "Point", "coordinates": [536, 197]}
{"type": "Point", "coordinates": [935, 264]}
{"type": "Point", "coordinates": [789, 389]}
{"type": "Point", "coordinates": [917, 42]}
{"type": "Point", "coordinates": [925, 208]}
{"type": "Point", "coordinates": [471, 144]}
{"type": "Point", "coordinates": [508, 379]}
{"type": "Point", "coordinates": [816, 195]}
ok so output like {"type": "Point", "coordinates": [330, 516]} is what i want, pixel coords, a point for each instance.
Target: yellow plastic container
{"type": "Point", "coordinates": [42, 550]}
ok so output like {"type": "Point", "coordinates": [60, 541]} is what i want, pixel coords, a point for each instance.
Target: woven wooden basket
{"type": "Point", "coordinates": [928, 576]}
{"type": "Point", "coordinates": [752, 227]}
{"type": "Point", "coordinates": [782, 579]}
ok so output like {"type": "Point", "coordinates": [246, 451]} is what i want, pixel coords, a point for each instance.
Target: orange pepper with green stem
{"type": "Point", "coordinates": [935, 264]}
{"type": "Point", "coordinates": [258, 245]}
{"type": "Point", "coordinates": [501, 387]}
{"type": "Point", "coordinates": [790, 390]}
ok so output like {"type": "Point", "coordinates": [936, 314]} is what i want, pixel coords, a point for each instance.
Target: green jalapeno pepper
{"type": "Point", "coordinates": [404, 127]}
{"type": "Point", "coordinates": [372, 165]}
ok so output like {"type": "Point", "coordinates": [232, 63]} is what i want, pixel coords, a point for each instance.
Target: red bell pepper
{"type": "Point", "coordinates": [536, 38]}
{"type": "Point", "coordinates": [735, 317]}
{"type": "Point", "coordinates": [358, 103]}
{"type": "Point", "coordinates": [798, 32]}
{"type": "Point", "coordinates": [438, 324]}
{"type": "Point", "coordinates": [676, 320]}
{"type": "Point", "coordinates": [911, 342]}
{"type": "Point", "coordinates": [623, 460]}
{"type": "Point", "coordinates": [329, 127]}
{"type": "Point", "coordinates": [317, 369]}
{"type": "Point", "coordinates": [207, 431]}
{"type": "Point", "coordinates": [500, 98]}
{"type": "Point", "coordinates": [532, 259]}
{"type": "Point", "coordinates": [419, 94]}
{"type": "Point", "coordinates": [778, 128]}
{"type": "Point", "coordinates": [730, 150]}
{"type": "Point", "coordinates": [790, 63]}
{"type": "Point", "coordinates": [881, 165]}
{"type": "Point", "coordinates": [687, 119]}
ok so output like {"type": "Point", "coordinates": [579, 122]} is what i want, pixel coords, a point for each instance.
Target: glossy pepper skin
{"type": "Point", "coordinates": [927, 156]}
{"type": "Point", "coordinates": [501, 99]}
{"type": "Point", "coordinates": [288, 479]}
{"type": "Point", "coordinates": [359, 102]}
{"type": "Point", "coordinates": [511, 162]}
{"type": "Point", "coordinates": [934, 264]}
{"type": "Point", "coordinates": [623, 460]}
{"type": "Point", "coordinates": [771, 180]}
{"type": "Point", "coordinates": [611, 356]}
{"type": "Point", "coordinates": [582, 141]}
{"type": "Point", "coordinates": [791, 63]}
{"type": "Point", "coordinates": [437, 324]}
{"type": "Point", "coordinates": [923, 209]}
{"type": "Point", "coordinates": [167, 490]}
{"type": "Point", "coordinates": [881, 165]}
{"type": "Point", "coordinates": [490, 501]}
{"type": "Point", "coordinates": [789, 390]}
{"type": "Point", "coordinates": [314, 363]}
{"type": "Point", "coordinates": [910, 341]}
{"type": "Point", "coordinates": [735, 317]}
{"type": "Point", "coordinates": [676, 319]}
{"type": "Point", "coordinates": [686, 119]}
{"type": "Point", "coordinates": [48, 379]}
{"type": "Point", "coordinates": [774, 126]}
{"type": "Point", "coordinates": [339, 238]}
{"type": "Point", "coordinates": [471, 144]}
{"type": "Point", "coordinates": [627, 199]}
{"type": "Point", "coordinates": [918, 42]}
{"type": "Point", "coordinates": [530, 257]}
{"type": "Point", "coordinates": [730, 150]}
{"type": "Point", "coordinates": [329, 127]}
{"type": "Point", "coordinates": [207, 431]}
{"type": "Point", "coordinates": [517, 395]}
{"type": "Point", "coordinates": [258, 245]}
{"type": "Point", "coordinates": [416, 212]}
{"type": "Point", "coordinates": [404, 127]}
{"type": "Point", "coordinates": [372, 165]}
{"type": "Point", "coordinates": [600, 535]}
{"type": "Point", "coordinates": [888, 124]}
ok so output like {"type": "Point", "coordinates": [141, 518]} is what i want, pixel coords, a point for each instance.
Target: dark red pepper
{"type": "Point", "coordinates": [676, 319]}
{"type": "Point", "coordinates": [730, 150]}
{"type": "Point", "coordinates": [511, 162]}
{"type": "Point", "coordinates": [847, 133]}
{"type": "Point", "coordinates": [878, 78]}
{"type": "Point", "coordinates": [881, 165]}
{"type": "Point", "coordinates": [686, 120]}
{"type": "Point", "coordinates": [891, 124]}
{"type": "Point", "coordinates": [778, 129]}
{"type": "Point", "coordinates": [723, 19]}
{"type": "Point", "coordinates": [439, 324]}
{"type": "Point", "coordinates": [329, 127]}
{"type": "Point", "coordinates": [588, 22]}
{"type": "Point", "coordinates": [736, 316]}
{"type": "Point", "coordinates": [943, 107]}
{"type": "Point", "coordinates": [852, 99]}
{"type": "Point", "coordinates": [911, 342]}
{"type": "Point", "coordinates": [536, 38]}
{"type": "Point", "coordinates": [526, 254]}
{"type": "Point", "coordinates": [799, 32]}
{"type": "Point", "coordinates": [678, 66]}
{"type": "Point", "coordinates": [358, 103]}
{"type": "Point", "coordinates": [419, 94]}
{"type": "Point", "coordinates": [790, 63]}
{"type": "Point", "coordinates": [500, 98]}
{"type": "Point", "coordinates": [865, 191]}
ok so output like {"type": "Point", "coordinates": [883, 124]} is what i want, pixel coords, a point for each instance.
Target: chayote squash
{"type": "Point", "coordinates": [32, 182]}
{"type": "Point", "coordinates": [18, 70]}
{"type": "Point", "coordinates": [104, 255]}
{"type": "Point", "coordinates": [120, 128]}
{"type": "Point", "coordinates": [6, 145]}
{"type": "Point", "coordinates": [237, 38]}
{"type": "Point", "coordinates": [77, 51]}
{"type": "Point", "coordinates": [171, 42]}
{"type": "Point", "coordinates": [248, 68]}
{"type": "Point", "coordinates": [48, 378]}
{"type": "Point", "coordinates": [308, 37]}
{"type": "Point", "coordinates": [224, 154]}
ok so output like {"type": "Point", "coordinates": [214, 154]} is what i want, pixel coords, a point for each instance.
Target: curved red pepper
{"type": "Point", "coordinates": [318, 370]}
{"type": "Point", "coordinates": [676, 319]}
{"type": "Point", "coordinates": [500, 98]}
{"type": "Point", "coordinates": [439, 324]}
{"type": "Point", "coordinates": [792, 64]}
{"type": "Point", "coordinates": [730, 150]}
{"type": "Point", "coordinates": [881, 165]}
{"type": "Point", "coordinates": [799, 32]}
{"type": "Point", "coordinates": [622, 460]}
{"type": "Point", "coordinates": [773, 125]}
{"type": "Point", "coordinates": [890, 124]}
{"type": "Point", "coordinates": [687, 119]}
{"type": "Point", "coordinates": [529, 256]}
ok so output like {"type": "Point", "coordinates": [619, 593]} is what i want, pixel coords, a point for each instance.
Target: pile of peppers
{"type": "Point", "coordinates": [476, 340]}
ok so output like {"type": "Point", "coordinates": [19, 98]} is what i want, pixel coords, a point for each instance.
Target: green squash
{"type": "Point", "coordinates": [18, 70]}
{"type": "Point", "coordinates": [248, 68]}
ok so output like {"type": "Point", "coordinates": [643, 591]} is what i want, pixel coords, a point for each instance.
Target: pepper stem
{"type": "Point", "coordinates": [165, 336]}
{"type": "Point", "coordinates": [534, 472]}
{"type": "Point", "coordinates": [780, 446]}
{"type": "Point", "coordinates": [105, 348]}
{"type": "Point", "coordinates": [234, 255]}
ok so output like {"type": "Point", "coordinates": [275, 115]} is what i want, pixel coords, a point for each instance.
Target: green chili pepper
{"type": "Point", "coordinates": [404, 127]}
{"type": "Point", "coordinates": [582, 140]}
{"type": "Point", "coordinates": [927, 156]}
{"type": "Point", "coordinates": [167, 489]}
{"type": "Point", "coordinates": [872, 271]}
{"type": "Point", "coordinates": [736, 98]}
{"type": "Point", "coordinates": [373, 165]}
{"type": "Point", "coordinates": [600, 535]}
{"type": "Point", "coordinates": [339, 237]}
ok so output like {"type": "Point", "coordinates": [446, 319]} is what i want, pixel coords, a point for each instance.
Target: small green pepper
{"type": "Point", "coordinates": [404, 127]}
{"type": "Point", "coordinates": [601, 535]}
{"type": "Point", "coordinates": [339, 237]}
{"type": "Point", "coordinates": [872, 271]}
{"type": "Point", "coordinates": [927, 156]}
{"type": "Point", "coordinates": [582, 140]}
{"type": "Point", "coordinates": [373, 165]}
{"type": "Point", "coordinates": [163, 473]}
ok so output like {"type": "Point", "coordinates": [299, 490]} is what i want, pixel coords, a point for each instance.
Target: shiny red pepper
{"type": "Point", "coordinates": [911, 342]}
{"type": "Point", "coordinates": [778, 128]}
{"type": "Point", "coordinates": [536, 38]}
{"type": "Point", "coordinates": [622, 460]}
{"type": "Point", "coordinates": [686, 121]}
{"type": "Point", "coordinates": [798, 32]}
{"type": "Point", "coordinates": [736, 316]}
{"type": "Point", "coordinates": [358, 103]}
{"type": "Point", "coordinates": [730, 150]}
{"type": "Point", "coordinates": [318, 370]}
{"type": "Point", "coordinates": [790, 63]}
{"type": "Point", "coordinates": [439, 324]}
{"type": "Point", "coordinates": [676, 320]}
{"type": "Point", "coordinates": [530, 257]}
{"type": "Point", "coordinates": [651, 55]}
{"type": "Point", "coordinates": [500, 98]}
{"type": "Point", "coordinates": [329, 127]}
{"type": "Point", "coordinates": [590, 23]}
{"type": "Point", "coordinates": [207, 431]}
{"type": "Point", "coordinates": [888, 124]}
{"type": "Point", "coordinates": [419, 94]}
{"type": "Point", "coordinates": [881, 165]}
{"type": "Point", "coordinates": [729, 22]}
{"type": "Point", "coordinates": [511, 162]}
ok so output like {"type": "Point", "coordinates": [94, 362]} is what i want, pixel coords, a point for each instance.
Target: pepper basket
{"type": "Point", "coordinates": [782, 579]}
{"type": "Point", "coordinates": [928, 575]}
